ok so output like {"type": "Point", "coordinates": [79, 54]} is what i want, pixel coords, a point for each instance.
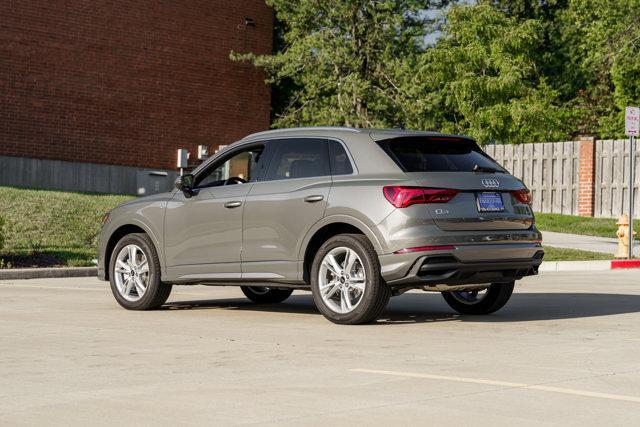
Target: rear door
{"type": "Point", "coordinates": [488, 197]}
{"type": "Point", "coordinates": [280, 209]}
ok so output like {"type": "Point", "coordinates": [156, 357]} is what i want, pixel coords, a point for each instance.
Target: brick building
{"type": "Point", "coordinates": [96, 95]}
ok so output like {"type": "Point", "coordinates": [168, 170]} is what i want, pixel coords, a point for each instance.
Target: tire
{"type": "Point", "coordinates": [363, 283]}
{"type": "Point", "coordinates": [495, 297]}
{"type": "Point", "coordinates": [155, 293]}
{"type": "Point", "coordinates": [263, 295]}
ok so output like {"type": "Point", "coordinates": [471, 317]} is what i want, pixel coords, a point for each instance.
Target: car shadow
{"type": "Point", "coordinates": [430, 307]}
{"type": "Point", "coordinates": [302, 304]}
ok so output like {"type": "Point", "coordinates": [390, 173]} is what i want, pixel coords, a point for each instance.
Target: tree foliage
{"type": "Point", "coordinates": [481, 79]}
{"type": "Point", "coordinates": [342, 57]}
{"type": "Point", "coordinates": [508, 71]}
{"type": "Point", "coordinates": [604, 39]}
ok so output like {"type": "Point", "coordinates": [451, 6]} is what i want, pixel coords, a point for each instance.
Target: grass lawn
{"type": "Point", "coordinates": [52, 227]}
{"type": "Point", "coordinates": [604, 227]}
{"type": "Point", "coordinates": [60, 228]}
{"type": "Point", "coordinates": [562, 254]}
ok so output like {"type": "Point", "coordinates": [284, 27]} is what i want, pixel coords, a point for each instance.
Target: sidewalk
{"type": "Point", "coordinates": [585, 243]}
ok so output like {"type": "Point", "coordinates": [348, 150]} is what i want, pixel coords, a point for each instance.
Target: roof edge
{"type": "Point", "coordinates": [307, 128]}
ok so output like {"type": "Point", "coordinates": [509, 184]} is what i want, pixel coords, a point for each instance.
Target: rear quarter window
{"type": "Point", "coordinates": [340, 163]}
{"type": "Point", "coordinates": [437, 154]}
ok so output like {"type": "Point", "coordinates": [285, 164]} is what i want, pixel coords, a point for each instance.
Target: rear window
{"type": "Point", "coordinates": [299, 158]}
{"type": "Point", "coordinates": [429, 154]}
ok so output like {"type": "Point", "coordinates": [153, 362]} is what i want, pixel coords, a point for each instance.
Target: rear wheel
{"type": "Point", "coordinates": [134, 274]}
{"type": "Point", "coordinates": [480, 301]}
{"type": "Point", "coordinates": [264, 295]}
{"type": "Point", "coordinates": [346, 282]}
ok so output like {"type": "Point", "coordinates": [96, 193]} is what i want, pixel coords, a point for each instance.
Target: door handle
{"type": "Point", "coordinates": [313, 199]}
{"type": "Point", "coordinates": [231, 205]}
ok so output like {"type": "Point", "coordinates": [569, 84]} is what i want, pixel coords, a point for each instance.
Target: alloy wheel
{"type": "Point", "coordinates": [131, 272]}
{"type": "Point", "coordinates": [342, 280]}
{"type": "Point", "coordinates": [470, 296]}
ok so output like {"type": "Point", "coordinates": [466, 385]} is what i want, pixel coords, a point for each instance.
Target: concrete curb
{"type": "Point", "coordinates": [625, 263]}
{"type": "Point", "coordinates": [588, 265]}
{"type": "Point", "coordinates": [46, 273]}
{"type": "Point", "coordinates": [575, 265]}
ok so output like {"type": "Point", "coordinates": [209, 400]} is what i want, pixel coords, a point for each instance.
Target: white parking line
{"type": "Point", "coordinates": [506, 384]}
{"type": "Point", "coordinates": [98, 289]}
{"type": "Point", "coordinates": [65, 288]}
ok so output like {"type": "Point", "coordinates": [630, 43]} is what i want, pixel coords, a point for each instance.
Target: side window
{"type": "Point", "coordinates": [298, 158]}
{"type": "Point", "coordinates": [340, 163]}
{"type": "Point", "coordinates": [240, 167]}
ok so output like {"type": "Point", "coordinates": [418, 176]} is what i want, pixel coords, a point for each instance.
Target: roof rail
{"type": "Point", "coordinates": [320, 128]}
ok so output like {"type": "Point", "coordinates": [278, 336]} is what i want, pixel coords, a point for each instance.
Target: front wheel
{"type": "Point", "coordinates": [264, 295]}
{"type": "Point", "coordinates": [346, 282]}
{"type": "Point", "coordinates": [134, 273]}
{"type": "Point", "coordinates": [480, 301]}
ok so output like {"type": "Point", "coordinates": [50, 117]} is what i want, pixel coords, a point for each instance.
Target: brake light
{"type": "Point", "coordinates": [523, 196]}
{"type": "Point", "coordinates": [401, 197]}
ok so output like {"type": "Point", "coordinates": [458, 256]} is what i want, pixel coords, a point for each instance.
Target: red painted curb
{"type": "Point", "coordinates": [625, 263]}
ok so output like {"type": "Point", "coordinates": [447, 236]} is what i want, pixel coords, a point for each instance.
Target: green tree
{"type": "Point", "coordinates": [481, 79]}
{"type": "Point", "coordinates": [551, 55]}
{"type": "Point", "coordinates": [542, 10]}
{"type": "Point", "coordinates": [340, 59]}
{"type": "Point", "coordinates": [605, 40]}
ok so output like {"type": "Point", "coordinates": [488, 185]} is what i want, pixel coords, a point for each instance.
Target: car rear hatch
{"type": "Point", "coordinates": [477, 193]}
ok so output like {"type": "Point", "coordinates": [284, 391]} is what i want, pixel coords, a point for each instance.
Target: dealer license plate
{"type": "Point", "coordinates": [490, 201]}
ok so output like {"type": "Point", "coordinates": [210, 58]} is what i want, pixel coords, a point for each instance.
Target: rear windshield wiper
{"type": "Point", "coordinates": [478, 168]}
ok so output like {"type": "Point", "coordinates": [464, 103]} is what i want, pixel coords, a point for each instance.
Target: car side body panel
{"type": "Point", "coordinates": [276, 218]}
{"type": "Point", "coordinates": [203, 238]}
{"type": "Point", "coordinates": [330, 219]}
{"type": "Point", "coordinates": [147, 213]}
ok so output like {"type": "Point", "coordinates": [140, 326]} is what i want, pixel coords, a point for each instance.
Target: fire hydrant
{"type": "Point", "coordinates": [623, 236]}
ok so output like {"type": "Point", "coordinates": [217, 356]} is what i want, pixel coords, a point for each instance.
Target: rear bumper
{"type": "Point", "coordinates": [468, 264]}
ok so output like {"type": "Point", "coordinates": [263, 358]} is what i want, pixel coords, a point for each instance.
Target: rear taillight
{"type": "Point", "coordinates": [523, 196]}
{"type": "Point", "coordinates": [401, 197]}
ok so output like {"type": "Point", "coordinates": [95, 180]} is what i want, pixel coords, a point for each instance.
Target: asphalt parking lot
{"type": "Point", "coordinates": [565, 350]}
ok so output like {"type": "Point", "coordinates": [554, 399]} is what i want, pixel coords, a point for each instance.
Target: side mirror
{"type": "Point", "coordinates": [185, 183]}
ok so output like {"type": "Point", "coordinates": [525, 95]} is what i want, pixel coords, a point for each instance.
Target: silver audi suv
{"type": "Point", "coordinates": [356, 216]}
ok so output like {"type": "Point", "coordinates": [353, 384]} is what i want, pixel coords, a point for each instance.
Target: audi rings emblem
{"type": "Point", "coordinates": [490, 183]}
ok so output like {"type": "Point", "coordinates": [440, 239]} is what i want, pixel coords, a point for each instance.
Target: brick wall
{"type": "Point", "coordinates": [128, 83]}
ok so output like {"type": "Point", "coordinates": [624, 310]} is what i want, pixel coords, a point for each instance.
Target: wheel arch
{"type": "Point", "coordinates": [327, 228]}
{"type": "Point", "coordinates": [118, 233]}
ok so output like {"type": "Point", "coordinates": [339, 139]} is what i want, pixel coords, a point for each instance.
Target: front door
{"type": "Point", "coordinates": [203, 233]}
{"type": "Point", "coordinates": [282, 207]}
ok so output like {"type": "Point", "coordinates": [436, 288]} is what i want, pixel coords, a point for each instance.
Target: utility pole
{"type": "Point", "coordinates": [632, 175]}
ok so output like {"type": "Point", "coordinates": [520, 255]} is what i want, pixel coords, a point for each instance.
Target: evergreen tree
{"type": "Point", "coordinates": [340, 59]}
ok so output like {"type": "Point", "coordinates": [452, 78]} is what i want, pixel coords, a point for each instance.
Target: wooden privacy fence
{"type": "Point", "coordinates": [585, 177]}
{"type": "Point", "coordinates": [549, 169]}
{"type": "Point", "coordinates": [612, 178]}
